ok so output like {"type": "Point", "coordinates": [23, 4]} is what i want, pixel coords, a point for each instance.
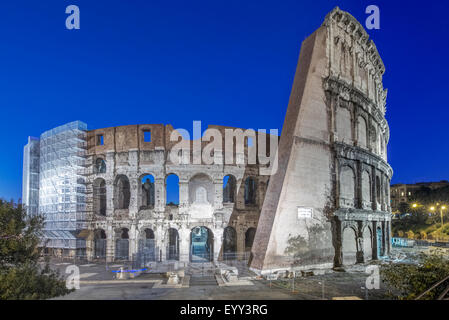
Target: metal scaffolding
{"type": "Point", "coordinates": [62, 189]}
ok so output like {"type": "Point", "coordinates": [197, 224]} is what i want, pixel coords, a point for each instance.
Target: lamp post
{"type": "Point", "coordinates": [441, 213]}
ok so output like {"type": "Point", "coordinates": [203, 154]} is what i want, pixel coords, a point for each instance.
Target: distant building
{"type": "Point", "coordinates": [404, 193]}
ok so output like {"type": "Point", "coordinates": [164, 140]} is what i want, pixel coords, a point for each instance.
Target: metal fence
{"type": "Point", "coordinates": [122, 249]}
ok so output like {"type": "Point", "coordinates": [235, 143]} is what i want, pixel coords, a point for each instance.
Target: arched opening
{"type": "Point", "coordinates": [172, 244]}
{"type": "Point", "coordinates": [250, 191]}
{"type": "Point", "coordinates": [201, 245]}
{"type": "Point", "coordinates": [367, 244]}
{"type": "Point", "coordinates": [344, 125]}
{"type": "Point", "coordinates": [249, 239]}
{"type": "Point", "coordinates": [147, 245]}
{"type": "Point", "coordinates": [100, 166]}
{"type": "Point", "coordinates": [229, 187]}
{"type": "Point", "coordinates": [147, 192]}
{"type": "Point", "coordinates": [366, 189]}
{"type": "Point", "coordinates": [122, 192]}
{"type": "Point", "coordinates": [100, 244]}
{"type": "Point", "coordinates": [229, 243]}
{"type": "Point", "coordinates": [347, 187]}
{"type": "Point", "coordinates": [172, 190]}
{"type": "Point", "coordinates": [361, 132]}
{"type": "Point", "coordinates": [349, 248]}
{"type": "Point", "coordinates": [122, 245]}
{"type": "Point", "coordinates": [99, 197]}
{"type": "Point", "coordinates": [201, 190]}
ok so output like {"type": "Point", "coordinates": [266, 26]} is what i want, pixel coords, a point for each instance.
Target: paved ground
{"type": "Point", "coordinates": [98, 282]}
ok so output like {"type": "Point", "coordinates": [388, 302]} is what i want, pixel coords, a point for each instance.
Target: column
{"type": "Point", "coordinates": [218, 242]}
{"type": "Point", "coordinates": [133, 201]}
{"type": "Point", "coordinates": [133, 237]}
{"type": "Point", "coordinates": [159, 194]}
{"type": "Point", "coordinates": [240, 242]}
{"type": "Point", "coordinates": [218, 198]}
{"type": "Point", "coordinates": [184, 245]}
{"type": "Point", "coordinates": [338, 258]}
{"type": "Point", "coordinates": [183, 196]}
{"type": "Point", "coordinates": [375, 244]}
{"type": "Point", "coordinates": [110, 242]}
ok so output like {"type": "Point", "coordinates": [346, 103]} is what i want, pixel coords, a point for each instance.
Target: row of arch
{"type": "Point", "coordinates": [200, 183]}
{"type": "Point", "coordinates": [364, 246]}
{"type": "Point", "coordinates": [371, 190]}
{"type": "Point", "coordinates": [367, 139]}
{"type": "Point", "coordinates": [201, 243]}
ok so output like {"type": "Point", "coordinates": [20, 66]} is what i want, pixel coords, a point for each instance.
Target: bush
{"type": "Point", "coordinates": [407, 282]}
{"type": "Point", "coordinates": [27, 282]}
{"type": "Point", "coordinates": [21, 275]}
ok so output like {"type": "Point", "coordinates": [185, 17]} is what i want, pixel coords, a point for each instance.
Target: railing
{"type": "Point", "coordinates": [443, 294]}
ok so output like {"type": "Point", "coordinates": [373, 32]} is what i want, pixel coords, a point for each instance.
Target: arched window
{"type": "Point", "coordinates": [229, 187]}
{"type": "Point", "coordinates": [172, 190]}
{"type": "Point", "coordinates": [99, 197]}
{"type": "Point", "coordinates": [100, 166]}
{"type": "Point", "coordinates": [100, 244]}
{"type": "Point", "coordinates": [122, 192]}
{"type": "Point", "coordinates": [172, 244]}
{"type": "Point", "coordinates": [250, 191]}
{"type": "Point", "coordinates": [344, 127]}
{"type": "Point", "coordinates": [361, 132]}
{"type": "Point", "coordinates": [122, 245]}
{"type": "Point", "coordinates": [147, 192]}
{"type": "Point", "coordinates": [347, 187]}
{"type": "Point", "coordinates": [229, 243]}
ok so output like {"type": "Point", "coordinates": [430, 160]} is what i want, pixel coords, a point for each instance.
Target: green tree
{"type": "Point", "coordinates": [408, 281]}
{"type": "Point", "coordinates": [22, 274]}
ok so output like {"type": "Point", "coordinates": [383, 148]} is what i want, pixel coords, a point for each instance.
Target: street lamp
{"type": "Point", "coordinates": [415, 205]}
{"type": "Point", "coordinates": [441, 213]}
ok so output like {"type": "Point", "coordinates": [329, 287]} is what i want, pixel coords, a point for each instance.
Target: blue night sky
{"type": "Point", "coordinates": [222, 62]}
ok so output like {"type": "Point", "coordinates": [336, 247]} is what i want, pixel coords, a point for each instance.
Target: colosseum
{"type": "Point", "coordinates": [115, 194]}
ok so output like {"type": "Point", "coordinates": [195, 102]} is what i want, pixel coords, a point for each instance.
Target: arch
{"type": "Point", "coordinates": [100, 165]}
{"type": "Point", "coordinates": [362, 132]}
{"type": "Point", "coordinates": [201, 244]}
{"type": "Point", "coordinates": [229, 188]}
{"type": "Point", "coordinates": [229, 243]}
{"type": "Point", "coordinates": [122, 245]}
{"type": "Point", "coordinates": [349, 246]}
{"type": "Point", "coordinates": [146, 192]}
{"type": "Point", "coordinates": [122, 192]}
{"type": "Point", "coordinates": [378, 190]}
{"type": "Point", "coordinates": [99, 244]}
{"type": "Point", "coordinates": [344, 125]}
{"type": "Point", "coordinates": [366, 189]}
{"type": "Point", "coordinates": [249, 238]}
{"type": "Point", "coordinates": [172, 190]}
{"type": "Point", "coordinates": [172, 244]}
{"type": "Point", "coordinates": [201, 189]}
{"type": "Point", "coordinates": [250, 191]}
{"type": "Point", "coordinates": [367, 244]}
{"type": "Point", "coordinates": [99, 197]}
{"type": "Point", "coordinates": [347, 187]}
{"type": "Point", "coordinates": [147, 244]}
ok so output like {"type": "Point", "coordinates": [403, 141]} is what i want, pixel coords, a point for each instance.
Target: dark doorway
{"type": "Point", "coordinates": [201, 245]}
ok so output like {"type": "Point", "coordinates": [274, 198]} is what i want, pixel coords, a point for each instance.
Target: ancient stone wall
{"type": "Point", "coordinates": [333, 177]}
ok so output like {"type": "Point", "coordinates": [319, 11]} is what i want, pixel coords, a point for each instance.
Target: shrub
{"type": "Point", "coordinates": [407, 281]}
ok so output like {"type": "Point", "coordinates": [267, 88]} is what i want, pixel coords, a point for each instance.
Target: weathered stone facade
{"type": "Point", "coordinates": [120, 201]}
{"type": "Point", "coordinates": [332, 158]}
